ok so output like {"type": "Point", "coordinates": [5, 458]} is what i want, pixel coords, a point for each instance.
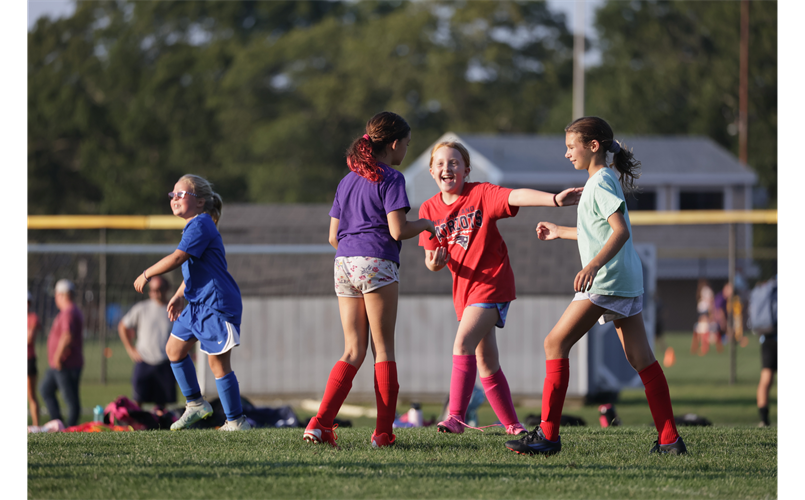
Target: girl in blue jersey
{"type": "Point", "coordinates": [214, 308]}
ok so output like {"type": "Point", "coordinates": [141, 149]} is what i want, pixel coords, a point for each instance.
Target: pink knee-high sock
{"type": "Point", "coordinates": [338, 386]}
{"type": "Point", "coordinates": [386, 390]}
{"type": "Point", "coordinates": [659, 402]}
{"type": "Point", "coordinates": [462, 381]}
{"type": "Point", "coordinates": [557, 377]}
{"type": "Point", "coordinates": [500, 397]}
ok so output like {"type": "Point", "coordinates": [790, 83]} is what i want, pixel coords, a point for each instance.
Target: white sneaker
{"type": "Point", "coordinates": [241, 424]}
{"type": "Point", "coordinates": [192, 414]}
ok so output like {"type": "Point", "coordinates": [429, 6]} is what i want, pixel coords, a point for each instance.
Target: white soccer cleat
{"type": "Point", "coordinates": [240, 424]}
{"type": "Point", "coordinates": [192, 414]}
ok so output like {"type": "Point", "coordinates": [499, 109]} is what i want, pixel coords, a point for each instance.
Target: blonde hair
{"type": "Point", "coordinates": [465, 155]}
{"type": "Point", "coordinates": [213, 204]}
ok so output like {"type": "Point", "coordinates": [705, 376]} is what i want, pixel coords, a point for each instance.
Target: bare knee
{"type": "Point", "coordinates": [555, 347]}
{"type": "Point", "coordinates": [641, 361]}
{"type": "Point", "coordinates": [175, 352]}
{"type": "Point", "coordinates": [220, 365]}
{"type": "Point", "coordinates": [488, 364]}
{"type": "Point", "coordinates": [354, 355]}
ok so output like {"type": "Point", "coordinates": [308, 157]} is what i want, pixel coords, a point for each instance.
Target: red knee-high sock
{"type": "Point", "coordinates": [659, 402]}
{"type": "Point", "coordinates": [500, 397]}
{"type": "Point", "coordinates": [386, 389]}
{"type": "Point", "coordinates": [462, 380]}
{"type": "Point", "coordinates": [557, 376]}
{"type": "Point", "coordinates": [338, 386]}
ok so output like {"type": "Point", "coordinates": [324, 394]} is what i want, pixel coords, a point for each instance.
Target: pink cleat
{"type": "Point", "coordinates": [452, 425]}
{"type": "Point", "coordinates": [515, 429]}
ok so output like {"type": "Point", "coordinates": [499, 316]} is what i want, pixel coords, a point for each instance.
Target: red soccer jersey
{"type": "Point", "coordinates": [468, 228]}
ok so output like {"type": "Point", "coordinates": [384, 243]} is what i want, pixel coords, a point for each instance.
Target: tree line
{"type": "Point", "coordinates": [263, 98]}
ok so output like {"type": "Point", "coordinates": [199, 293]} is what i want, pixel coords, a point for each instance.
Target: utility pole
{"type": "Point", "coordinates": [743, 128]}
{"type": "Point", "coordinates": [102, 305]}
{"type": "Point", "coordinates": [578, 60]}
{"type": "Point", "coordinates": [743, 85]}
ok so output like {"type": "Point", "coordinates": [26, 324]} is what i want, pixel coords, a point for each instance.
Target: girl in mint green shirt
{"type": "Point", "coordinates": [608, 288]}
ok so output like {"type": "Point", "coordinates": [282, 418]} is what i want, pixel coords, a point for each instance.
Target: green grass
{"type": "Point", "coordinates": [731, 460]}
{"type": "Point", "coordinates": [276, 463]}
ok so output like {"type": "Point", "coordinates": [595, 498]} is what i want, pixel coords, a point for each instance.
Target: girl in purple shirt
{"type": "Point", "coordinates": [367, 225]}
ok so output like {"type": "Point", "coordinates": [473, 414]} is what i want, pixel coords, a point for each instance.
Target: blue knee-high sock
{"type": "Point", "coordinates": [229, 394]}
{"type": "Point", "coordinates": [185, 373]}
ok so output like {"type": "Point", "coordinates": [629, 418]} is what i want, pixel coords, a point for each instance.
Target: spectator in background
{"type": "Point", "coordinates": [34, 327]}
{"type": "Point", "coordinates": [721, 302]}
{"type": "Point", "coordinates": [152, 380]}
{"type": "Point", "coordinates": [65, 356]}
{"type": "Point", "coordinates": [705, 323]}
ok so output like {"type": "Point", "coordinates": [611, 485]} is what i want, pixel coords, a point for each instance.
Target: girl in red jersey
{"type": "Point", "coordinates": [469, 243]}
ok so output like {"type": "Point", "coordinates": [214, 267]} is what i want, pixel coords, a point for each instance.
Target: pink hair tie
{"type": "Point", "coordinates": [366, 136]}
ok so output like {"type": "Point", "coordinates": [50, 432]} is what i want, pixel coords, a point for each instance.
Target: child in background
{"type": "Point", "coordinates": [609, 288]}
{"type": "Point", "coordinates": [214, 308]}
{"type": "Point", "coordinates": [367, 226]}
{"type": "Point", "coordinates": [469, 243]}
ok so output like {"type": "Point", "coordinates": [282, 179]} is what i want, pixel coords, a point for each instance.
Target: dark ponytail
{"type": "Point", "coordinates": [382, 129]}
{"type": "Point", "coordinates": [592, 128]}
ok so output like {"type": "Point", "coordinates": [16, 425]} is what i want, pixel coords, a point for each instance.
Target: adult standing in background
{"type": "Point", "coordinates": [65, 356]}
{"type": "Point", "coordinates": [152, 379]}
{"type": "Point", "coordinates": [34, 327]}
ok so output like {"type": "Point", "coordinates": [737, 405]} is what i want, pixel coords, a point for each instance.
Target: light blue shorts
{"type": "Point", "coordinates": [503, 310]}
{"type": "Point", "coordinates": [215, 334]}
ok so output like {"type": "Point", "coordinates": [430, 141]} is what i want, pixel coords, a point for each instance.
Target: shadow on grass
{"type": "Point", "coordinates": [389, 470]}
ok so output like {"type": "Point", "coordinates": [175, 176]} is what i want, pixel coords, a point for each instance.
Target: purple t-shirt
{"type": "Point", "coordinates": [361, 207]}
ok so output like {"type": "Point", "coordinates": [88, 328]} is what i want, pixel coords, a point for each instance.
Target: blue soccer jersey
{"type": "Point", "coordinates": [206, 278]}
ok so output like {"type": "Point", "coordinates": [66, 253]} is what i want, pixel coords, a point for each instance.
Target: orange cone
{"type": "Point", "coordinates": [670, 358]}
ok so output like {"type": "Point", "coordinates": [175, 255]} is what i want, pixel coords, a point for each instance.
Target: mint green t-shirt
{"type": "Point", "coordinates": [623, 275]}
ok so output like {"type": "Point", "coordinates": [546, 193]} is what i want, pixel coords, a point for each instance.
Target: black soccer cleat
{"type": "Point", "coordinates": [533, 443]}
{"type": "Point", "coordinates": [676, 448]}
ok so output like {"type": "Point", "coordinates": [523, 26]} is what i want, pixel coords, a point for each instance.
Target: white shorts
{"type": "Point", "coordinates": [616, 307]}
{"type": "Point", "coordinates": [355, 276]}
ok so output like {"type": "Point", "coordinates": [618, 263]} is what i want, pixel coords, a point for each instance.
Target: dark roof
{"type": "Point", "coordinates": [539, 267]}
{"type": "Point", "coordinates": [666, 159]}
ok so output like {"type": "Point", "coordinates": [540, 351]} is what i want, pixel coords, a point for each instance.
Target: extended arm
{"type": "Point", "coordinates": [532, 198]}
{"type": "Point", "coordinates": [550, 231]}
{"type": "Point", "coordinates": [435, 260]}
{"type": "Point", "coordinates": [403, 229]}
{"type": "Point", "coordinates": [165, 265]}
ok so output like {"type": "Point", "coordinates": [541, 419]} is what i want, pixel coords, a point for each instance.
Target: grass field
{"type": "Point", "coordinates": [594, 463]}
{"type": "Point", "coordinates": [732, 459]}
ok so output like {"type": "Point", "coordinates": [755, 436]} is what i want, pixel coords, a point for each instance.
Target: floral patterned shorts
{"type": "Point", "coordinates": [355, 276]}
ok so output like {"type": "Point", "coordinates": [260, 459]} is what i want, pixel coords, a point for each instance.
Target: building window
{"type": "Point", "coordinates": [644, 200]}
{"type": "Point", "coordinates": [701, 200]}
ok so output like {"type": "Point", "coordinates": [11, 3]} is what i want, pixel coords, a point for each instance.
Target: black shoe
{"type": "Point", "coordinates": [676, 448]}
{"type": "Point", "coordinates": [534, 442]}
